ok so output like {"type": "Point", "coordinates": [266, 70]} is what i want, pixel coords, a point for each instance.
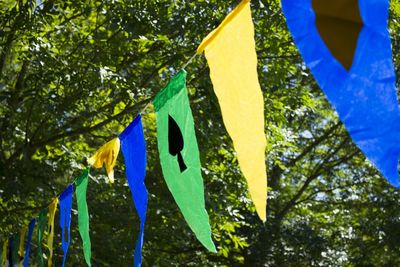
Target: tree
{"type": "Point", "coordinates": [73, 74]}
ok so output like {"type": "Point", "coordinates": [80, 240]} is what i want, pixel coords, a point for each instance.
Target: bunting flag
{"type": "Point", "coordinates": [4, 254]}
{"type": "Point", "coordinates": [179, 156]}
{"type": "Point", "coordinates": [41, 226]}
{"type": "Point", "coordinates": [21, 250]}
{"type": "Point", "coordinates": [134, 150]}
{"type": "Point", "coordinates": [28, 244]}
{"type": "Point", "coordinates": [50, 230]}
{"type": "Point", "coordinates": [107, 154]}
{"type": "Point", "coordinates": [15, 249]}
{"type": "Point", "coordinates": [83, 214]}
{"type": "Point", "coordinates": [10, 251]}
{"type": "Point", "coordinates": [346, 45]}
{"type": "Point", "coordinates": [231, 55]}
{"type": "Point", "coordinates": [65, 203]}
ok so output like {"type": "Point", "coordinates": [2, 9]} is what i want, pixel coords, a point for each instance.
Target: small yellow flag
{"type": "Point", "coordinates": [231, 55]}
{"type": "Point", "coordinates": [50, 230]}
{"type": "Point", "coordinates": [4, 254]}
{"type": "Point", "coordinates": [21, 250]}
{"type": "Point", "coordinates": [107, 154]}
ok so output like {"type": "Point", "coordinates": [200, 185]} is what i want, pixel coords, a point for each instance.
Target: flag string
{"type": "Point", "coordinates": [141, 111]}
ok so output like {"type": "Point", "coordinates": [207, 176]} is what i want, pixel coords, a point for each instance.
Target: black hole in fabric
{"type": "Point", "coordinates": [339, 23]}
{"type": "Point", "coordinates": [175, 142]}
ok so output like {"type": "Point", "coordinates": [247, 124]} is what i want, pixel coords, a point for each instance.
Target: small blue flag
{"type": "Point", "coordinates": [65, 204]}
{"type": "Point", "coordinates": [28, 245]}
{"type": "Point", "coordinates": [134, 150]}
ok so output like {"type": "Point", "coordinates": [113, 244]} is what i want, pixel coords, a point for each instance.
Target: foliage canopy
{"type": "Point", "coordinates": [73, 74]}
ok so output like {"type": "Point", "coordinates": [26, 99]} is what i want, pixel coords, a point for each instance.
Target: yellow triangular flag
{"type": "Point", "coordinates": [107, 154]}
{"type": "Point", "coordinates": [21, 250]}
{"type": "Point", "coordinates": [4, 254]}
{"type": "Point", "coordinates": [50, 230]}
{"type": "Point", "coordinates": [231, 55]}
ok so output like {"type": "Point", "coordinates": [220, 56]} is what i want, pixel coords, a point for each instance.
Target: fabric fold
{"type": "Point", "coordinates": [107, 155]}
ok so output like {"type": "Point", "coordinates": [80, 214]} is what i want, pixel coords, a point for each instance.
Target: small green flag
{"type": "Point", "coordinates": [15, 250]}
{"type": "Point", "coordinates": [83, 213]}
{"type": "Point", "coordinates": [41, 227]}
{"type": "Point", "coordinates": [179, 156]}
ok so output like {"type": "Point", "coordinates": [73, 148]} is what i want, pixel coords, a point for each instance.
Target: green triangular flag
{"type": "Point", "coordinates": [15, 250]}
{"type": "Point", "coordinates": [83, 213]}
{"type": "Point", "coordinates": [41, 227]}
{"type": "Point", "coordinates": [179, 156]}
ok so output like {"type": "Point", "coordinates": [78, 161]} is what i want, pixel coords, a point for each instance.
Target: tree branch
{"type": "Point", "coordinates": [318, 171]}
{"type": "Point", "coordinates": [314, 144]}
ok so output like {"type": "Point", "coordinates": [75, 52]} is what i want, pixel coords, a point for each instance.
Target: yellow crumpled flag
{"type": "Point", "coordinates": [4, 254]}
{"type": "Point", "coordinates": [231, 55]}
{"type": "Point", "coordinates": [50, 230]}
{"type": "Point", "coordinates": [21, 249]}
{"type": "Point", "coordinates": [107, 154]}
